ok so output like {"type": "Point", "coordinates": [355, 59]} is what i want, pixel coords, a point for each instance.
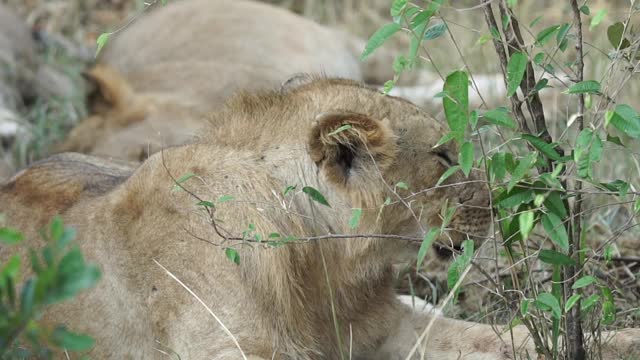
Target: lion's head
{"type": "Point", "coordinates": [363, 145]}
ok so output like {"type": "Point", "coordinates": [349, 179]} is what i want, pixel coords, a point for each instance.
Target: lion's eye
{"type": "Point", "coordinates": [445, 159]}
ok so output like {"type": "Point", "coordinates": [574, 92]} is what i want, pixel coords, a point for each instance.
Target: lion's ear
{"type": "Point", "coordinates": [351, 148]}
{"type": "Point", "coordinates": [107, 88]}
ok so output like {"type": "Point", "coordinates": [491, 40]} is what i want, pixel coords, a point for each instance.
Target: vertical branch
{"type": "Point", "coordinates": [574, 334]}
{"type": "Point", "coordinates": [527, 86]}
{"type": "Point", "coordinates": [504, 60]}
{"type": "Point", "coordinates": [515, 43]}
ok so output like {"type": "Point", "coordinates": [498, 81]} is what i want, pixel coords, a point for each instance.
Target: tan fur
{"type": "Point", "coordinates": [170, 69]}
{"type": "Point", "coordinates": [278, 302]}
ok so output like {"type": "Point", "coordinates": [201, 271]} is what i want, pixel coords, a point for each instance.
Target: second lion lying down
{"type": "Point", "coordinates": [302, 300]}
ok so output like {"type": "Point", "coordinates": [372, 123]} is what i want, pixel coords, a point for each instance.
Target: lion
{"type": "Point", "coordinates": [327, 292]}
{"type": "Point", "coordinates": [157, 81]}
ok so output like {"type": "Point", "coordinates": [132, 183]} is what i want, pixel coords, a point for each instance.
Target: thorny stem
{"type": "Point", "coordinates": [574, 334]}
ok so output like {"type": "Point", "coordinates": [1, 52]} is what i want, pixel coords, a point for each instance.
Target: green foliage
{"type": "Point", "coordinates": [466, 158]}
{"type": "Point", "coordinates": [59, 274]}
{"type": "Point", "coordinates": [315, 195]}
{"type": "Point", "coordinates": [500, 117]}
{"type": "Point", "coordinates": [515, 71]}
{"type": "Point", "coordinates": [533, 173]}
{"type": "Point", "coordinates": [356, 215]}
{"type": "Point", "coordinates": [460, 264]}
{"type": "Point", "coordinates": [378, 38]}
{"type": "Point", "coordinates": [426, 245]}
{"type": "Point", "coordinates": [102, 41]}
{"type": "Point", "coordinates": [456, 103]}
{"type": "Point", "coordinates": [585, 87]}
{"type": "Point", "coordinates": [232, 255]}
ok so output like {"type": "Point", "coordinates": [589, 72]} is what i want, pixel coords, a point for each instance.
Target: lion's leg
{"type": "Point", "coordinates": [456, 339]}
{"type": "Point", "coordinates": [453, 339]}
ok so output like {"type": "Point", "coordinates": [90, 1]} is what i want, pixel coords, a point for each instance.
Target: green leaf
{"type": "Point", "coordinates": [205, 203]}
{"type": "Point", "coordinates": [608, 307]}
{"type": "Point", "coordinates": [555, 229]}
{"type": "Point", "coordinates": [456, 103]}
{"type": "Point", "coordinates": [400, 64]}
{"type": "Point", "coordinates": [524, 307]}
{"type": "Point", "coordinates": [625, 119]}
{"type": "Point", "coordinates": [535, 21]}
{"type": "Point", "coordinates": [597, 19]}
{"type": "Point", "coordinates": [460, 264]}
{"type": "Point", "coordinates": [522, 169]}
{"type": "Point", "coordinates": [288, 189]}
{"type": "Point", "coordinates": [589, 302]}
{"type": "Point", "coordinates": [27, 297]}
{"type": "Point", "coordinates": [177, 186]}
{"type": "Point", "coordinates": [584, 282]}
{"type": "Point", "coordinates": [515, 197]}
{"type": "Point", "coordinates": [354, 221]}
{"type": "Point", "coordinates": [539, 58]}
{"type": "Point", "coordinates": [545, 35]}
{"type": "Point", "coordinates": [397, 6]}
{"type": "Point", "coordinates": [555, 258]}
{"type": "Point", "coordinates": [571, 302]}
{"type": "Point", "coordinates": [562, 33]}
{"type": "Point", "coordinates": [56, 228]}
{"type": "Point", "coordinates": [526, 222]}
{"type": "Point", "coordinates": [10, 236]}
{"type": "Point", "coordinates": [378, 38]}
{"type": "Point", "coordinates": [615, 33]}
{"type": "Point", "coordinates": [515, 71]}
{"type": "Point", "coordinates": [426, 245]}
{"type": "Point", "coordinates": [545, 148]}
{"type": "Point", "coordinates": [435, 31]}
{"type": "Point", "coordinates": [232, 254]}
{"type": "Point", "coordinates": [587, 86]}
{"type": "Point", "coordinates": [473, 119]}
{"type": "Point", "coordinates": [402, 185]}
{"type": "Point", "coordinates": [615, 140]}
{"type": "Point", "coordinates": [444, 139]}
{"type": "Point", "coordinates": [225, 198]}
{"type": "Point", "coordinates": [546, 302]}
{"type": "Point", "coordinates": [540, 85]}
{"type": "Point", "coordinates": [554, 203]}
{"type": "Point", "coordinates": [70, 341]}
{"type": "Point", "coordinates": [340, 129]}
{"type": "Point", "coordinates": [101, 42]}
{"type": "Point", "coordinates": [315, 195]}
{"type": "Point", "coordinates": [588, 151]}
{"type": "Point", "coordinates": [498, 166]}
{"type": "Point", "coordinates": [483, 39]}
{"type": "Point", "coordinates": [466, 158]}
{"type": "Point", "coordinates": [450, 171]}
{"type": "Point", "coordinates": [388, 86]}
{"type": "Point", "coordinates": [423, 18]}
{"type": "Point", "coordinates": [10, 270]}
{"type": "Point", "coordinates": [585, 10]}
{"type": "Point", "coordinates": [68, 234]}
{"type": "Point", "coordinates": [500, 117]}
